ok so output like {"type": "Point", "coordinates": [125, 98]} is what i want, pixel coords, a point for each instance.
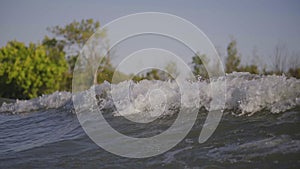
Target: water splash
{"type": "Point", "coordinates": [246, 94]}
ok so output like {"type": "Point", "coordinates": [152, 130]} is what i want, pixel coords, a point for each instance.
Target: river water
{"type": "Point", "coordinates": [259, 129]}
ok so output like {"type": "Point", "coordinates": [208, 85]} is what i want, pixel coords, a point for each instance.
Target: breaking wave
{"type": "Point", "coordinates": [246, 94]}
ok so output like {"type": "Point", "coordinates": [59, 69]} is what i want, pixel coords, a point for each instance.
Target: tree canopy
{"type": "Point", "coordinates": [198, 65]}
{"type": "Point", "coordinates": [233, 59]}
{"type": "Point", "coordinates": [74, 35]}
{"type": "Point", "coordinates": [30, 71]}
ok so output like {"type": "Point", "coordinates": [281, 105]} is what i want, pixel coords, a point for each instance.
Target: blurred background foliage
{"type": "Point", "coordinates": [28, 71]}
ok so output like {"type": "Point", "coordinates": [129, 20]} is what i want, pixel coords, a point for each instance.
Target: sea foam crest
{"type": "Point", "coordinates": [246, 94]}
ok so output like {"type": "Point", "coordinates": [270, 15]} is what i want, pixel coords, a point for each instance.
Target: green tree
{"type": "Point", "coordinates": [73, 37]}
{"type": "Point", "coordinates": [233, 59]}
{"type": "Point", "coordinates": [55, 50]}
{"type": "Point", "coordinates": [198, 62]}
{"type": "Point", "coordinates": [28, 71]}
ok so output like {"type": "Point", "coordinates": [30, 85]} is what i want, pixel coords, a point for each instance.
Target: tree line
{"type": "Point", "coordinates": [28, 71]}
{"type": "Point", "coordinates": [280, 63]}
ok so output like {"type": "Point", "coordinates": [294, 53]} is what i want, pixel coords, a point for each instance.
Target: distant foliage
{"type": "Point", "coordinates": [73, 36]}
{"type": "Point", "coordinates": [249, 68]}
{"type": "Point", "coordinates": [294, 72]}
{"type": "Point", "coordinates": [30, 71]}
{"type": "Point", "coordinates": [233, 59]}
{"type": "Point", "coordinates": [198, 65]}
{"type": "Point", "coordinates": [55, 50]}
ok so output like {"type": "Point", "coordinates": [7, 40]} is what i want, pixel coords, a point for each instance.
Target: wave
{"type": "Point", "coordinates": [282, 144]}
{"type": "Point", "coordinates": [246, 94]}
{"type": "Point", "coordinates": [52, 101]}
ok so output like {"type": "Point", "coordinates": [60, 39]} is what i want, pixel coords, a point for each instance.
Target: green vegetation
{"type": "Point", "coordinates": [73, 36]}
{"type": "Point", "coordinates": [280, 61]}
{"type": "Point", "coordinates": [294, 72]}
{"type": "Point", "coordinates": [198, 65]}
{"type": "Point", "coordinates": [233, 61]}
{"type": "Point", "coordinates": [28, 71]}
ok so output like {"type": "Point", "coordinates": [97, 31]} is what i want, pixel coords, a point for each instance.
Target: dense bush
{"type": "Point", "coordinates": [30, 71]}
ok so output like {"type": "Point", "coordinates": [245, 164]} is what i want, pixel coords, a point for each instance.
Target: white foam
{"type": "Point", "coordinates": [246, 94]}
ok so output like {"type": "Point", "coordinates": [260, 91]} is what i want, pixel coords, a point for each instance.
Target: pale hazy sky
{"type": "Point", "coordinates": [253, 23]}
